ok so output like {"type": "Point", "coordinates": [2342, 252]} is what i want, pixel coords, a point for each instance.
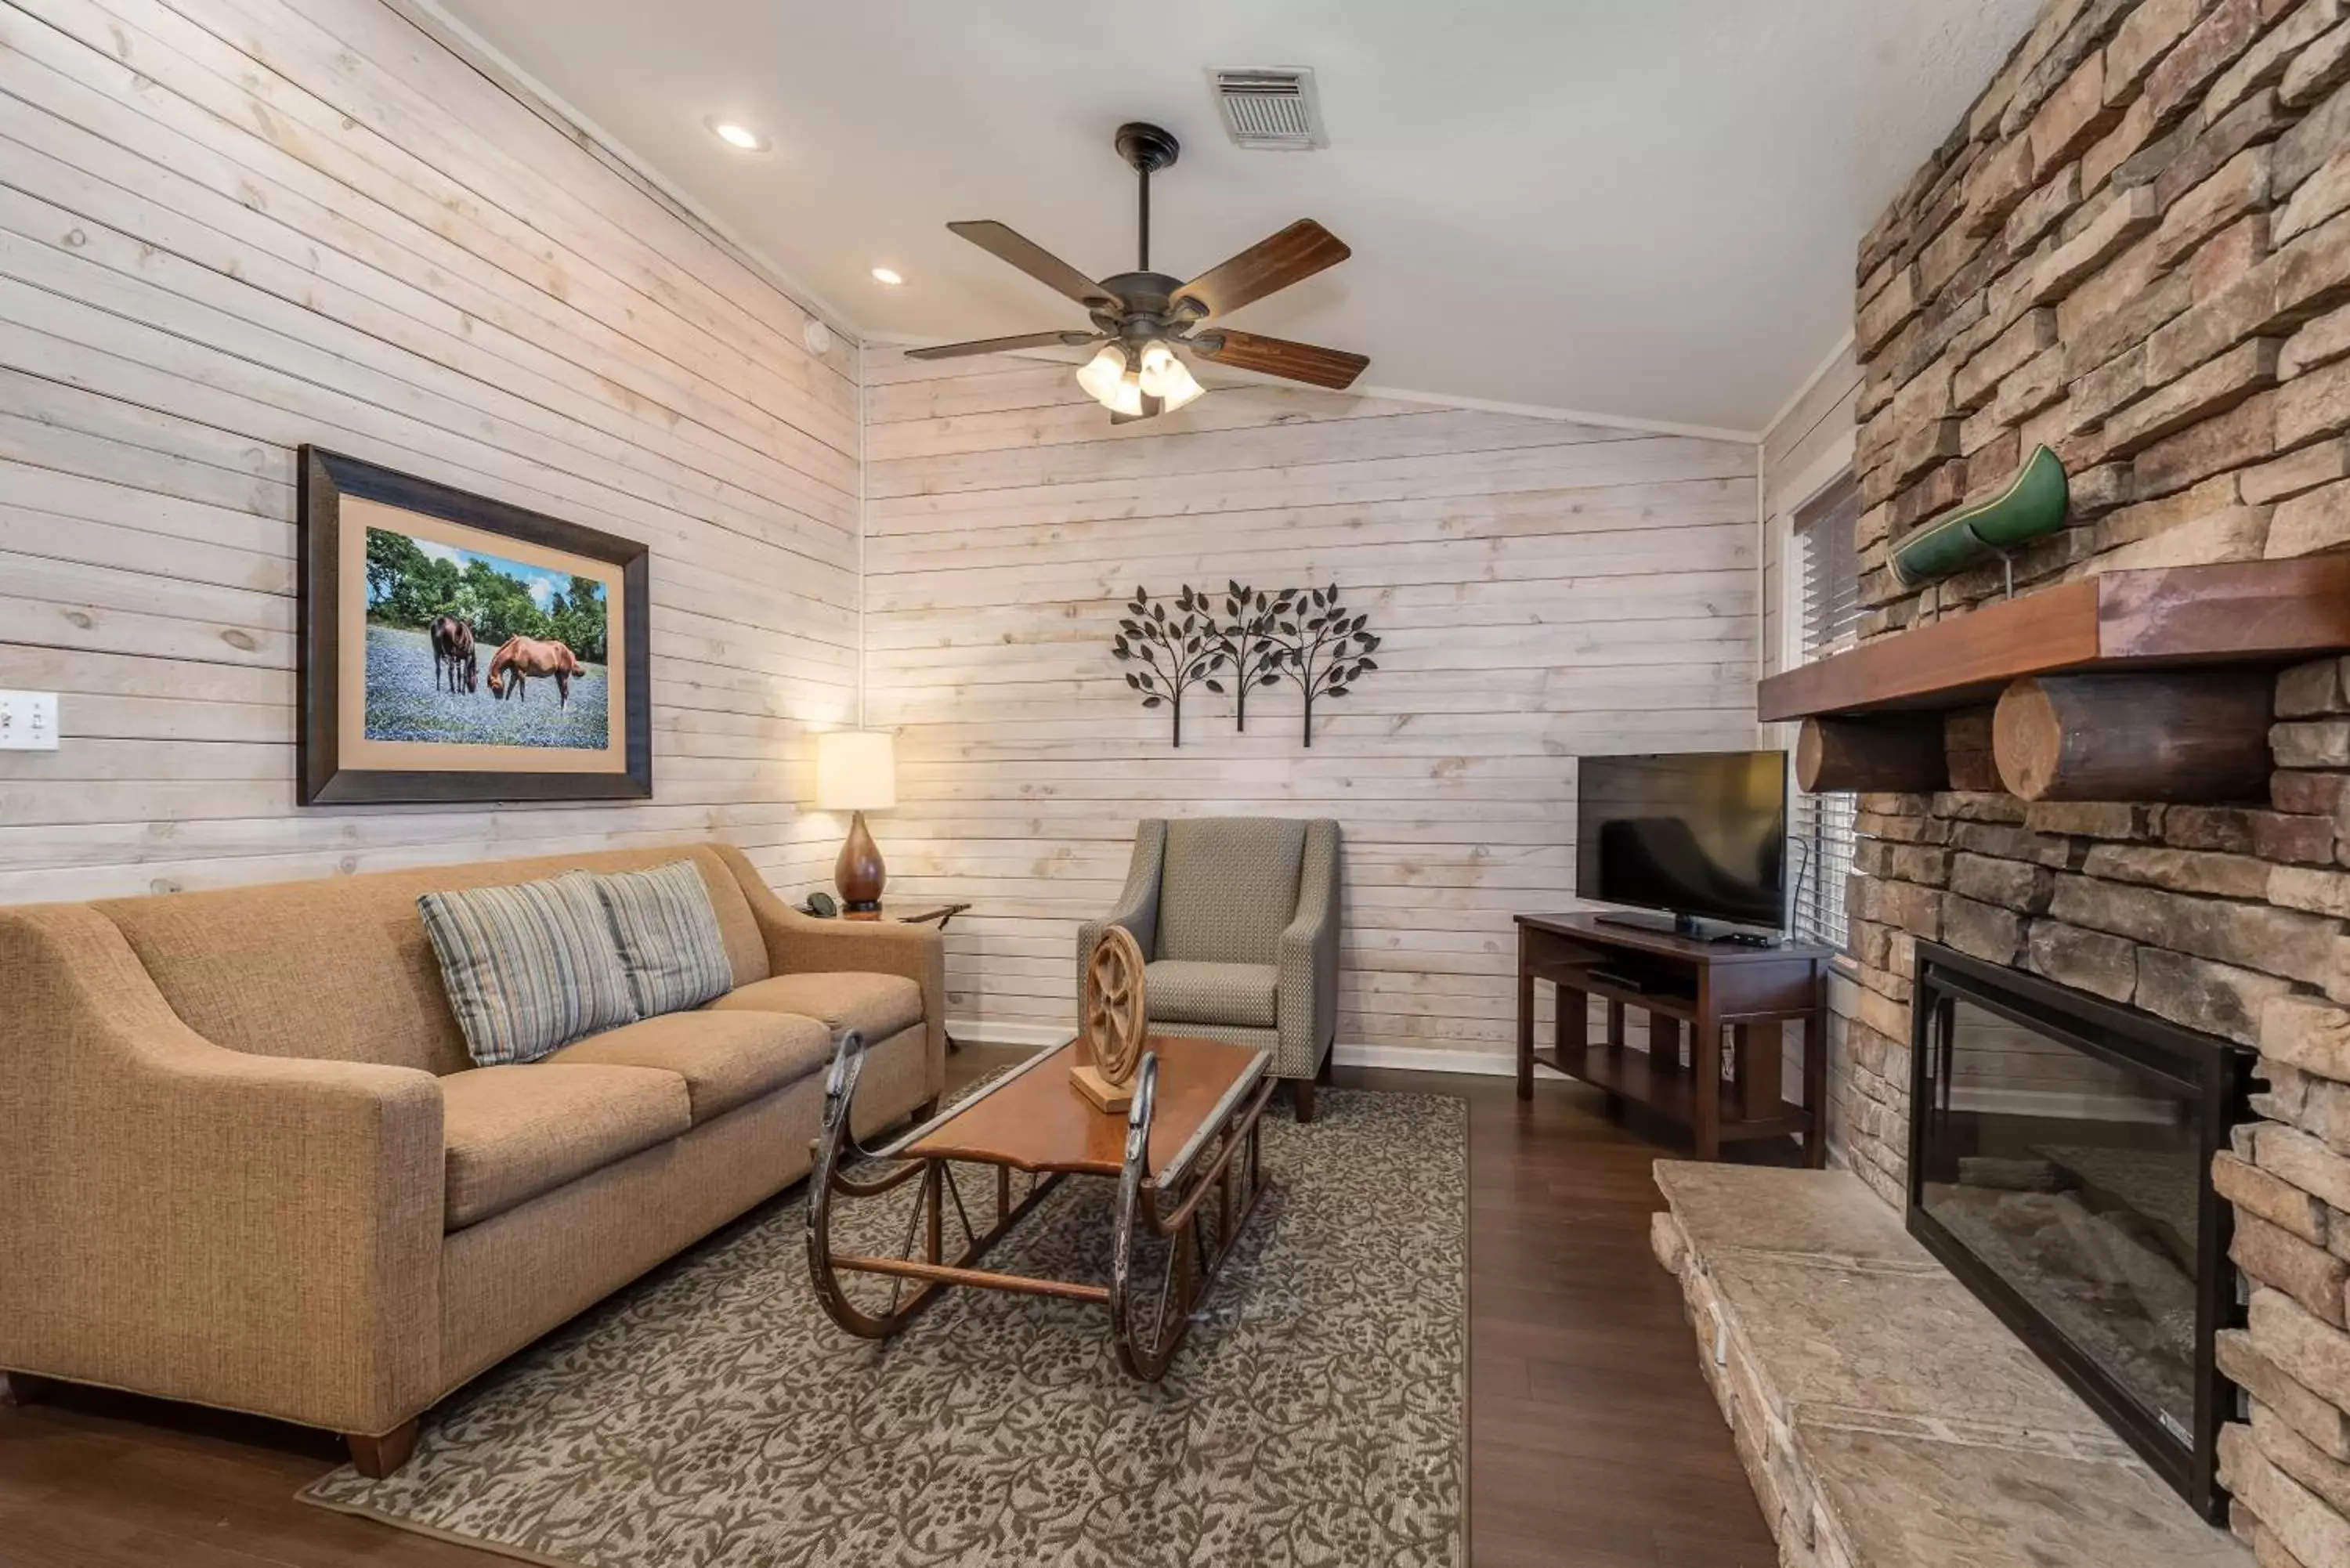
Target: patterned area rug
{"type": "Point", "coordinates": [711, 1415]}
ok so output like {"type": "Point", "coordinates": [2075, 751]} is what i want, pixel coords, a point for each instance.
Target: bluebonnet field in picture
{"type": "Point", "coordinates": [476, 649]}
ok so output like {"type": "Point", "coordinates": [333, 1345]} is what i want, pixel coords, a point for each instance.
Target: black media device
{"type": "Point", "coordinates": [1693, 835]}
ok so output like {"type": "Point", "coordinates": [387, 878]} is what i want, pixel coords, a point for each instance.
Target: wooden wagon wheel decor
{"type": "Point", "coordinates": [1112, 1025]}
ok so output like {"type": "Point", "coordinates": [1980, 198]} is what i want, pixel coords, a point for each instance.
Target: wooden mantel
{"type": "Point", "coordinates": [2245, 612]}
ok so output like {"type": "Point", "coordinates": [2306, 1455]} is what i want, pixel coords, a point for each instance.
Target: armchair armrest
{"type": "Point", "coordinates": [1138, 902]}
{"type": "Point", "coordinates": [1305, 1011]}
{"type": "Point", "coordinates": [801, 944]}
{"type": "Point", "coordinates": [256, 1232]}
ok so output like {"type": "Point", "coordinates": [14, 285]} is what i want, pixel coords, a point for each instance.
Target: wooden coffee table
{"type": "Point", "coordinates": [1184, 1156]}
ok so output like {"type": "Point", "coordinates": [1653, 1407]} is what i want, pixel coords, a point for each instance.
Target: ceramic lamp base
{"type": "Point", "coordinates": [858, 873]}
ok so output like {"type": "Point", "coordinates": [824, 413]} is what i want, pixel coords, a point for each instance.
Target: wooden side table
{"type": "Point", "coordinates": [1681, 982]}
{"type": "Point", "coordinates": [913, 913]}
{"type": "Point", "coordinates": [919, 914]}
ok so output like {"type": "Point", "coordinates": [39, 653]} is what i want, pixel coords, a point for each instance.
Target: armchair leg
{"type": "Point", "coordinates": [1301, 1097]}
{"type": "Point", "coordinates": [376, 1458]}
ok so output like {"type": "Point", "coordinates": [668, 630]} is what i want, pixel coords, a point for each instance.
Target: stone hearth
{"type": "Point", "coordinates": [1885, 1417]}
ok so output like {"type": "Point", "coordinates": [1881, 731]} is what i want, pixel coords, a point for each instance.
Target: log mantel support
{"type": "Point", "coordinates": [2184, 736]}
{"type": "Point", "coordinates": [1891, 754]}
{"type": "Point", "coordinates": [2181, 737]}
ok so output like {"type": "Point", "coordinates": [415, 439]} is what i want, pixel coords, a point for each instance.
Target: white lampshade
{"type": "Point", "coordinates": [1181, 387]}
{"type": "Point", "coordinates": [1157, 365]}
{"type": "Point", "coordinates": [1099, 376]}
{"type": "Point", "coordinates": [856, 770]}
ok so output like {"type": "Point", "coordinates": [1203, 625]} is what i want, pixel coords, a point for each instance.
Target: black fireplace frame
{"type": "Point", "coordinates": [2215, 1073]}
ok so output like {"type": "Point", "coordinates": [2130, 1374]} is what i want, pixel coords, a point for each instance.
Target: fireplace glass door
{"type": "Point", "coordinates": [2061, 1150]}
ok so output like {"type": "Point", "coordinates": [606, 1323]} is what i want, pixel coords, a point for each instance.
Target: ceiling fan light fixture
{"type": "Point", "coordinates": [1125, 398]}
{"type": "Point", "coordinates": [1101, 375]}
{"type": "Point", "coordinates": [1173, 384]}
{"type": "Point", "coordinates": [1157, 360]}
{"type": "Point", "coordinates": [1164, 376]}
{"type": "Point", "coordinates": [1186, 389]}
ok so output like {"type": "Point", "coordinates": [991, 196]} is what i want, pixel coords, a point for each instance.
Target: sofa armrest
{"type": "Point", "coordinates": [257, 1232]}
{"type": "Point", "coordinates": [1305, 1012]}
{"type": "Point", "coordinates": [1138, 902]}
{"type": "Point", "coordinates": [803, 944]}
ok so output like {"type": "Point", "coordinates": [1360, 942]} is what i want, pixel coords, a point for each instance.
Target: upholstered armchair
{"type": "Point", "coordinates": [1237, 917]}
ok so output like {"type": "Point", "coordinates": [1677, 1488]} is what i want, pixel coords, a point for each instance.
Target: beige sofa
{"type": "Point", "coordinates": [247, 1162]}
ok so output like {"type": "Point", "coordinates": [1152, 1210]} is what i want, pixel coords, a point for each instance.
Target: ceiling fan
{"type": "Point", "coordinates": [1142, 319]}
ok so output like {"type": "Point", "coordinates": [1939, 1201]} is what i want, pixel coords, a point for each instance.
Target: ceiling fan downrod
{"type": "Point", "coordinates": [1149, 147]}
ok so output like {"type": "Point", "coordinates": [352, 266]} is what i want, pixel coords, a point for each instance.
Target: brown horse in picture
{"type": "Point", "coordinates": [525, 656]}
{"type": "Point", "coordinates": [452, 651]}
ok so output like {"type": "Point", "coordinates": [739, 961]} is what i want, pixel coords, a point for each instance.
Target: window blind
{"type": "Point", "coordinates": [1822, 825]}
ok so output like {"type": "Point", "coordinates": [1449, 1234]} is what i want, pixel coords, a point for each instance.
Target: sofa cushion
{"type": "Point", "coordinates": [1229, 887]}
{"type": "Point", "coordinates": [528, 967]}
{"type": "Point", "coordinates": [1186, 991]}
{"type": "Point", "coordinates": [511, 1133]}
{"type": "Point", "coordinates": [668, 934]}
{"type": "Point", "coordinates": [876, 1005]}
{"type": "Point", "coordinates": [339, 967]}
{"type": "Point", "coordinates": [727, 1059]}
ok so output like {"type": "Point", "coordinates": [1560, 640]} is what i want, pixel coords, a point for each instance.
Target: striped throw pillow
{"type": "Point", "coordinates": [669, 938]}
{"type": "Point", "coordinates": [529, 968]}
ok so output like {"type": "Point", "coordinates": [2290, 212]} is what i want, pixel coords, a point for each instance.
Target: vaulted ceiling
{"type": "Point", "coordinates": [1645, 209]}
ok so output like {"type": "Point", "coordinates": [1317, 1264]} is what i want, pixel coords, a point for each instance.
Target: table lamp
{"type": "Point", "coordinates": [856, 771]}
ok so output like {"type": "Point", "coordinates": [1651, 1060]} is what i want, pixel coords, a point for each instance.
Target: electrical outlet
{"type": "Point", "coordinates": [28, 721]}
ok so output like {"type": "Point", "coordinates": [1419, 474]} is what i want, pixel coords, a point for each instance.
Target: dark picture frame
{"type": "Point", "coordinates": [325, 776]}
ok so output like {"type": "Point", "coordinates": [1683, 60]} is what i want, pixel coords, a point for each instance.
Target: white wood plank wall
{"type": "Point", "coordinates": [228, 227]}
{"type": "Point", "coordinates": [1543, 589]}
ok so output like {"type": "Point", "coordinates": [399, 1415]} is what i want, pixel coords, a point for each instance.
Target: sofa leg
{"type": "Point", "coordinates": [28, 1388]}
{"type": "Point", "coordinates": [924, 1112]}
{"type": "Point", "coordinates": [1301, 1097]}
{"type": "Point", "coordinates": [376, 1458]}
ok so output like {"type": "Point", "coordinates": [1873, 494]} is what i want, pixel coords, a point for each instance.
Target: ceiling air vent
{"type": "Point", "coordinates": [1271, 109]}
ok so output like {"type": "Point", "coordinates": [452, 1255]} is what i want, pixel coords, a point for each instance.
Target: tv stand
{"type": "Point", "coordinates": [1686, 986]}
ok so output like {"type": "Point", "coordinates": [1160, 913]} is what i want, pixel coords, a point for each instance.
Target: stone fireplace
{"type": "Point", "coordinates": [2136, 250]}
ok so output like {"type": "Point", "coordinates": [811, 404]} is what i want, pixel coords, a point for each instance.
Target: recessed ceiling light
{"type": "Point", "coordinates": [737, 135]}
{"type": "Point", "coordinates": [888, 275]}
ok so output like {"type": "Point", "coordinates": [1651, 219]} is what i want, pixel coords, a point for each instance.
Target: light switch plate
{"type": "Point", "coordinates": [28, 721]}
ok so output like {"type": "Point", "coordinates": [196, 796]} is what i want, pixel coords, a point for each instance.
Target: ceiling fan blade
{"type": "Point", "coordinates": [1010, 244]}
{"type": "Point", "coordinates": [1297, 252]}
{"type": "Point", "coordinates": [1004, 345]}
{"type": "Point", "coordinates": [1331, 367]}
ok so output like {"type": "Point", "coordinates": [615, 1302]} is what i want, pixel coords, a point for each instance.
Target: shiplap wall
{"type": "Point", "coordinates": [1543, 589]}
{"type": "Point", "coordinates": [228, 227]}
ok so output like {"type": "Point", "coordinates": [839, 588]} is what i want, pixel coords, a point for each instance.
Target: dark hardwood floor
{"type": "Point", "coordinates": [1592, 1441]}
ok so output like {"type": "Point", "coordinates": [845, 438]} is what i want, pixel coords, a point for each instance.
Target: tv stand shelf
{"type": "Point", "coordinates": [1691, 989]}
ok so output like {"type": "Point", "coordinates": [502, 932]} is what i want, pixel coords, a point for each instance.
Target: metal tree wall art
{"type": "Point", "coordinates": [1305, 634]}
{"type": "Point", "coordinates": [1247, 646]}
{"type": "Point", "coordinates": [1176, 654]}
{"type": "Point", "coordinates": [1321, 646]}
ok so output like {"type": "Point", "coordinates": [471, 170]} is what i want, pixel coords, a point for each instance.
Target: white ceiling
{"type": "Point", "coordinates": [1644, 208]}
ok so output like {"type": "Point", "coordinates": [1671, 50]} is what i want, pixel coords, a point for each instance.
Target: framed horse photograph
{"type": "Point", "coordinates": [456, 648]}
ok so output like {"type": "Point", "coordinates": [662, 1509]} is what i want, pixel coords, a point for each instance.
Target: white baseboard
{"type": "Point", "coordinates": [981, 1031]}
{"type": "Point", "coordinates": [1413, 1059]}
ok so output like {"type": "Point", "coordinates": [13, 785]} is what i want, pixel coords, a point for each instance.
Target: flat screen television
{"type": "Point", "coordinates": [1700, 835]}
